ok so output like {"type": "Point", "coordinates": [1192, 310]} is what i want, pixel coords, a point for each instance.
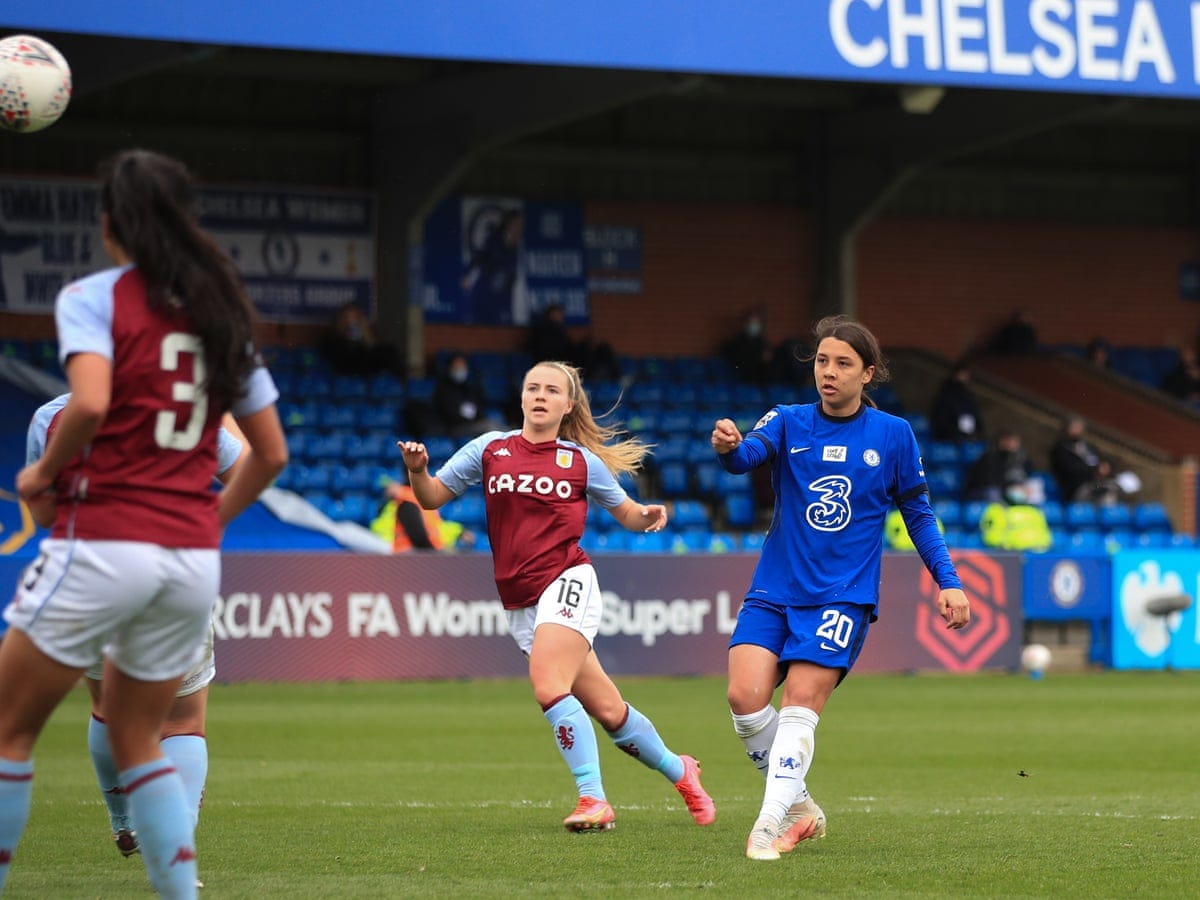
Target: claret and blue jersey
{"type": "Point", "coordinates": [835, 480]}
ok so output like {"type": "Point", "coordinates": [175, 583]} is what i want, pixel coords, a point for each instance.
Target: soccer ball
{"type": "Point", "coordinates": [35, 83]}
{"type": "Point", "coordinates": [1035, 659]}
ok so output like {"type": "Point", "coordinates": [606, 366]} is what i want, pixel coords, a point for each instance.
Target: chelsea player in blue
{"type": "Point", "coordinates": [837, 467]}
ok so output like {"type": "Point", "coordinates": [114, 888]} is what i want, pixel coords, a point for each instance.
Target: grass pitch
{"type": "Point", "coordinates": [934, 786]}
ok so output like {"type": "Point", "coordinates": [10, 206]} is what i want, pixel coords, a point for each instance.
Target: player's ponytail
{"type": "Point", "coordinates": [618, 454]}
{"type": "Point", "coordinates": [150, 204]}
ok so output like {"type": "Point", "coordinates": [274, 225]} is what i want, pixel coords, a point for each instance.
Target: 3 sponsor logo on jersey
{"type": "Point", "coordinates": [527, 483]}
{"type": "Point", "coordinates": [834, 454]}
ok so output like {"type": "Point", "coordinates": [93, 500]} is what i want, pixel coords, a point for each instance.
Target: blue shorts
{"type": "Point", "coordinates": [830, 635]}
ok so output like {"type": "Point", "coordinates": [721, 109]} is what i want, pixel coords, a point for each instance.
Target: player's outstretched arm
{"type": "Point", "coordinates": [640, 516]}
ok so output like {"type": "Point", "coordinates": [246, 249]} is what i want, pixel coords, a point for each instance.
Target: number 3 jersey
{"type": "Point", "coordinates": [835, 480]}
{"type": "Point", "coordinates": [536, 498]}
{"type": "Point", "coordinates": [147, 473]}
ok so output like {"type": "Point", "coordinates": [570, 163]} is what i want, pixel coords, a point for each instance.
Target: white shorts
{"type": "Point", "coordinates": [144, 606]}
{"type": "Point", "coordinates": [197, 677]}
{"type": "Point", "coordinates": [572, 600]}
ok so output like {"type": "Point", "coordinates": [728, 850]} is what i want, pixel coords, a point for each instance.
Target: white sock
{"type": "Point", "coordinates": [757, 733]}
{"type": "Point", "coordinates": [791, 755]}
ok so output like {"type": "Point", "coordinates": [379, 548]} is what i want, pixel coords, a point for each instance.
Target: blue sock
{"type": "Point", "coordinates": [576, 740]}
{"type": "Point", "coordinates": [639, 739]}
{"type": "Point", "coordinates": [189, 753]}
{"type": "Point", "coordinates": [16, 791]}
{"type": "Point", "coordinates": [106, 775]}
{"type": "Point", "coordinates": [164, 825]}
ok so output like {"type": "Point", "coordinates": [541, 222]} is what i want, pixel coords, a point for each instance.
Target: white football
{"type": "Point", "coordinates": [1035, 658]}
{"type": "Point", "coordinates": [35, 83]}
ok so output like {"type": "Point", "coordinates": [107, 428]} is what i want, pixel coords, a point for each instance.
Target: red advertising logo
{"type": "Point", "coordinates": [967, 649]}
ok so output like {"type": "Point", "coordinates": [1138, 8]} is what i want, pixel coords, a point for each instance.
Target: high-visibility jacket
{"type": "Point", "coordinates": [407, 526]}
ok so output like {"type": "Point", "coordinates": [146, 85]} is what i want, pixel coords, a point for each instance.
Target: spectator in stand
{"type": "Point", "coordinates": [1097, 353]}
{"type": "Point", "coordinates": [548, 335]}
{"type": "Point", "coordinates": [550, 339]}
{"type": "Point", "coordinates": [1082, 473]}
{"type": "Point", "coordinates": [1003, 474]}
{"type": "Point", "coordinates": [1017, 337]}
{"type": "Point", "coordinates": [458, 401]}
{"type": "Point", "coordinates": [791, 362]}
{"type": "Point", "coordinates": [954, 415]}
{"type": "Point", "coordinates": [1183, 381]}
{"type": "Point", "coordinates": [748, 351]}
{"type": "Point", "coordinates": [350, 347]}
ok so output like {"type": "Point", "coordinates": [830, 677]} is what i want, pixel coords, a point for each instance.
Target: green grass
{"type": "Point", "coordinates": [455, 789]}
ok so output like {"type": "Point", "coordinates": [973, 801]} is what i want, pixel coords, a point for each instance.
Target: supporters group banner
{"type": "Point", "coordinates": [301, 253]}
{"type": "Point", "coordinates": [330, 617]}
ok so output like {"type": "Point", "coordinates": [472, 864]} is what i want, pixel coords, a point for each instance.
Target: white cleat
{"type": "Point", "coordinates": [761, 843]}
{"type": "Point", "coordinates": [805, 821]}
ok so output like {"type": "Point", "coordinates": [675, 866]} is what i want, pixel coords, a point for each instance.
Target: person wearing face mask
{"type": "Point", "coordinates": [748, 351]}
{"type": "Point", "coordinates": [458, 401]}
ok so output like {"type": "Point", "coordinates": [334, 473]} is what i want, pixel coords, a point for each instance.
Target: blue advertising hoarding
{"type": "Point", "coordinates": [1141, 638]}
{"type": "Point", "coordinates": [1135, 47]}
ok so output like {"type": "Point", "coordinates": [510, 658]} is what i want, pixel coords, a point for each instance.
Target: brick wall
{"type": "Point", "coordinates": [946, 285]}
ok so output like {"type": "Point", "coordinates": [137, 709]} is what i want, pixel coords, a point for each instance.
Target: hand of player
{"type": "Point", "coordinates": [33, 482]}
{"type": "Point", "coordinates": [954, 608]}
{"type": "Point", "coordinates": [725, 436]}
{"type": "Point", "coordinates": [655, 515]}
{"type": "Point", "coordinates": [416, 457]}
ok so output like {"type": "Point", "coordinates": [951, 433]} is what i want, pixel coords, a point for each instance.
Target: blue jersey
{"type": "Point", "coordinates": [835, 480]}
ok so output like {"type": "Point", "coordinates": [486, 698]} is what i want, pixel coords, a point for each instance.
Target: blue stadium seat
{"type": "Point", "coordinates": [724, 542]}
{"type": "Point", "coordinates": [468, 509]}
{"type": "Point", "coordinates": [615, 541]}
{"type": "Point", "coordinates": [942, 453]}
{"type": "Point", "coordinates": [376, 415]}
{"type": "Point", "coordinates": [1081, 515]}
{"type": "Point", "coordinates": [386, 388]}
{"type": "Point", "coordinates": [331, 446]}
{"type": "Point", "coordinates": [336, 414]}
{"type": "Point", "coordinates": [1054, 513]}
{"type": "Point", "coordinates": [348, 387]}
{"type": "Point", "coordinates": [314, 478]}
{"type": "Point", "coordinates": [648, 542]}
{"type": "Point", "coordinates": [297, 443]}
{"type": "Point", "coordinates": [1116, 515]}
{"type": "Point", "coordinates": [674, 478]}
{"type": "Point", "coordinates": [1151, 517]}
{"type": "Point", "coordinates": [419, 388]}
{"type": "Point", "coordinates": [440, 449]}
{"type": "Point", "coordinates": [949, 512]}
{"type": "Point", "coordinates": [970, 451]}
{"type": "Point", "coordinates": [690, 540]}
{"type": "Point", "coordinates": [752, 541]}
{"type": "Point", "coordinates": [739, 510]}
{"type": "Point", "coordinates": [1087, 540]}
{"type": "Point", "coordinates": [358, 507]}
{"type": "Point", "coordinates": [727, 483]}
{"type": "Point", "coordinates": [689, 514]}
{"type": "Point", "coordinates": [310, 387]}
{"type": "Point", "coordinates": [672, 449]}
{"type": "Point", "coordinates": [372, 446]}
{"type": "Point", "coordinates": [944, 482]}
{"type": "Point", "coordinates": [356, 479]}
{"type": "Point", "coordinates": [972, 512]}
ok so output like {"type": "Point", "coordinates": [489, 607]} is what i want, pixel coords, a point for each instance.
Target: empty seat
{"type": "Point", "coordinates": [739, 510]}
{"type": "Point", "coordinates": [1151, 517]}
{"type": "Point", "coordinates": [689, 514]}
{"type": "Point", "coordinates": [674, 478]}
{"type": "Point", "coordinates": [1080, 515]}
